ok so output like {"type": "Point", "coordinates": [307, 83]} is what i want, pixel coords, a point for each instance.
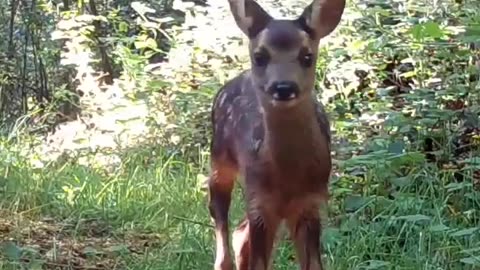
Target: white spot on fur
{"type": "Point", "coordinates": [222, 99]}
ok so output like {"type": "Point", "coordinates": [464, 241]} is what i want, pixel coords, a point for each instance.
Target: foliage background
{"type": "Point", "coordinates": [104, 112]}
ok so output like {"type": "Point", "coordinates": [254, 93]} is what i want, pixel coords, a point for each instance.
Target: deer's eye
{"type": "Point", "coordinates": [261, 58]}
{"type": "Point", "coordinates": [306, 59]}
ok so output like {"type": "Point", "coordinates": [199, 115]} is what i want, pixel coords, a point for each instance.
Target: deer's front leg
{"type": "Point", "coordinates": [220, 186]}
{"type": "Point", "coordinates": [263, 223]}
{"type": "Point", "coordinates": [305, 230]}
{"type": "Point", "coordinates": [261, 229]}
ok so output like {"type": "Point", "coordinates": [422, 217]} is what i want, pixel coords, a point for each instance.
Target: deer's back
{"type": "Point", "coordinates": [237, 122]}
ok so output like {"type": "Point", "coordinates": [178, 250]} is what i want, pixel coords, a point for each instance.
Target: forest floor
{"type": "Point", "coordinates": [395, 204]}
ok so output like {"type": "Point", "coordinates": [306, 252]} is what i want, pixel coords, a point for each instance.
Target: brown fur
{"type": "Point", "coordinates": [282, 149]}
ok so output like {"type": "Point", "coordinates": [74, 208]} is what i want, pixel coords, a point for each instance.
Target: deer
{"type": "Point", "coordinates": [268, 127]}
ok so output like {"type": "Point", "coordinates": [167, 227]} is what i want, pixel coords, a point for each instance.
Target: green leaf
{"type": "Point", "coordinates": [457, 186]}
{"type": "Point", "coordinates": [36, 265]}
{"type": "Point", "coordinates": [414, 218]}
{"type": "Point", "coordinates": [416, 32]}
{"type": "Point", "coordinates": [473, 160]}
{"type": "Point", "coordinates": [412, 157]}
{"type": "Point", "coordinates": [147, 43]}
{"type": "Point", "coordinates": [12, 251]}
{"type": "Point", "coordinates": [471, 250]}
{"type": "Point", "coordinates": [405, 129]}
{"type": "Point", "coordinates": [91, 251]}
{"type": "Point", "coordinates": [355, 202]}
{"type": "Point", "coordinates": [432, 29]}
{"type": "Point", "coordinates": [464, 232]}
{"type": "Point", "coordinates": [409, 74]}
{"type": "Point", "coordinates": [471, 261]}
{"type": "Point", "coordinates": [123, 27]}
{"type": "Point", "coordinates": [376, 264]}
{"type": "Point", "coordinates": [439, 228]}
{"type": "Point", "coordinates": [400, 181]}
{"type": "Point", "coordinates": [331, 236]}
{"type": "Point", "coordinates": [396, 147]}
{"type": "Point", "coordinates": [428, 29]}
{"type": "Point", "coordinates": [118, 249]}
{"type": "Point", "coordinates": [350, 224]}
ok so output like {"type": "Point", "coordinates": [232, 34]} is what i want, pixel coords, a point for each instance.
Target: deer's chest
{"type": "Point", "coordinates": [291, 176]}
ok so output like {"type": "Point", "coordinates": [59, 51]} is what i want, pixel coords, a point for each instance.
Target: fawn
{"type": "Point", "coordinates": [268, 126]}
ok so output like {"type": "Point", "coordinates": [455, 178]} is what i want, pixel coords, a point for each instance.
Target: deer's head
{"type": "Point", "coordinates": [284, 53]}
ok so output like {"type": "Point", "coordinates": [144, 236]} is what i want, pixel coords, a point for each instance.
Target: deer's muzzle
{"type": "Point", "coordinates": [284, 90]}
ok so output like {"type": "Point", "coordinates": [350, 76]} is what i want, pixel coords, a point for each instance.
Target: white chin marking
{"type": "Point", "coordinates": [292, 96]}
{"type": "Point", "coordinates": [285, 103]}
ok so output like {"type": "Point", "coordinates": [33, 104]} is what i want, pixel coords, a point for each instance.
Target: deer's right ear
{"type": "Point", "coordinates": [249, 16]}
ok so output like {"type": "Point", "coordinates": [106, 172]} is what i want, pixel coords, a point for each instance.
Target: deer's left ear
{"type": "Point", "coordinates": [250, 17]}
{"type": "Point", "coordinates": [322, 16]}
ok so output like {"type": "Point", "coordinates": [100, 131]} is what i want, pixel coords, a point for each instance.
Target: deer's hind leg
{"type": "Point", "coordinates": [240, 244]}
{"type": "Point", "coordinates": [220, 185]}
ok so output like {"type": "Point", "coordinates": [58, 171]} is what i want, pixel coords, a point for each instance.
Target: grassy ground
{"type": "Point", "coordinates": [151, 214]}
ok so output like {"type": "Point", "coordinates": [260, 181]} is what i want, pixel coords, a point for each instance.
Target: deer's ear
{"type": "Point", "coordinates": [322, 16]}
{"type": "Point", "coordinates": [249, 16]}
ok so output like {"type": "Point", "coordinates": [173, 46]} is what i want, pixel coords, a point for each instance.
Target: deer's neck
{"type": "Point", "coordinates": [290, 134]}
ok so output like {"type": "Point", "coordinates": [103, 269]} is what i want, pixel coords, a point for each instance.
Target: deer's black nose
{"type": "Point", "coordinates": [284, 90]}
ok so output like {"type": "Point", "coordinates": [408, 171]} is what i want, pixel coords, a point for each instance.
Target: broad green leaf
{"type": "Point", "coordinates": [396, 147]}
{"type": "Point", "coordinates": [355, 202]}
{"type": "Point", "coordinates": [473, 160]}
{"type": "Point", "coordinates": [118, 249]}
{"type": "Point", "coordinates": [349, 224]}
{"type": "Point", "coordinates": [471, 250]}
{"type": "Point", "coordinates": [414, 218]}
{"type": "Point", "coordinates": [432, 29]}
{"type": "Point", "coordinates": [471, 261]}
{"type": "Point", "coordinates": [331, 236]}
{"type": "Point", "coordinates": [400, 181]}
{"type": "Point", "coordinates": [12, 251]}
{"type": "Point", "coordinates": [36, 265]}
{"type": "Point", "coordinates": [123, 27]}
{"type": "Point", "coordinates": [91, 251]}
{"type": "Point", "coordinates": [405, 129]}
{"type": "Point", "coordinates": [416, 32]}
{"type": "Point", "coordinates": [339, 191]}
{"type": "Point", "coordinates": [439, 228]}
{"type": "Point", "coordinates": [409, 74]}
{"type": "Point", "coordinates": [457, 186]}
{"type": "Point", "coordinates": [376, 264]}
{"type": "Point", "coordinates": [147, 43]}
{"type": "Point", "coordinates": [428, 29]}
{"type": "Point", "coordinates": [464, 232]}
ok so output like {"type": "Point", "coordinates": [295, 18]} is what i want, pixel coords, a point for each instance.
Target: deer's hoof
{"type": "Point", "coordinates": [225, 264]}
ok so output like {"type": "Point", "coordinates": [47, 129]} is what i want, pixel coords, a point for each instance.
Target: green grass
{"type": "Point", "coordinates": [157, 207]}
